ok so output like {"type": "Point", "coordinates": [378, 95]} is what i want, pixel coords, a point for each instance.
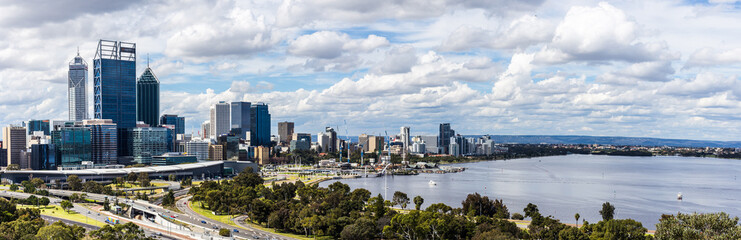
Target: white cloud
{"type": "Point", "coordinates": [710, 57]}
{"type": "Point", "coordinates": [602, 33]}
{"type": "Point", "coordinates": [328, 45]}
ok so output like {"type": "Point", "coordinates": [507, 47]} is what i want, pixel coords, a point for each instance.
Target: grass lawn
{"type": "Point", "coordinates": [227, 219]}
{"type": "Point", "coordinates": [57, 211]}
{"type": "Point", "coordinates": [196, 206]}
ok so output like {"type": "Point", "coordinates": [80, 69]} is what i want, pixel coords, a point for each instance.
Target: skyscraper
{"type": "Point", "coordinates": [104, 141]}
{"type": "Point", "coordinates": [241, 119]}
{"type": "Point", "coordinates": [114, 77]}
{"type": "Point", "coordinates": [38, 125]}
{"type": "Point", "coordinates": [14, 141]}
{"type": "Point", "coordinates": [148, 98]}
{"type": "Point", "coordinates": [148, 142]}
{"type": "Point", "coordinates": [332, 138]}
{"type": "Point", "coordinates": [76, 89]}
{"type": "Point", "coordinates": [404, 135]}
{"type": "Point", "coordinates": [285, 131]}
{"type": "Point", "coordinates": [73, 144]}
{"type": "Point", "coordinates": [206, 129]}
{"type": "Point", "coordinates": [219, 119]}
{"type": "Point", "coordinates": [171, 119]}
{"type": "Point", "coordinates": [259, 125]}
{"type": "Point", "coordinates": [443, 139]}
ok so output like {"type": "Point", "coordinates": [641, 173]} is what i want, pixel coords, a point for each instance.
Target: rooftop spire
{"type": "Point", "coordinates": [147, 60]}
{"type": "Point", "coordinates": [78, 51]}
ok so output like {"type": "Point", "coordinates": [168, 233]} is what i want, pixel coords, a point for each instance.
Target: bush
{"type": "Point", "coordinates": [517, 216]}
{"type": "Point", "coordinates": [224, 232]}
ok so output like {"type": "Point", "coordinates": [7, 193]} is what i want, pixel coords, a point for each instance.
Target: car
{"type": "Point", "coordinates": [256, 237]}
{"type": "Point", "coordinates": [236, 231]}
{"type": "Point", "coordinates": [203, 221]}
{"type": "Point", "coordinates": [215, 227]}
{"type": "Point", "coordinates": [172, 216]}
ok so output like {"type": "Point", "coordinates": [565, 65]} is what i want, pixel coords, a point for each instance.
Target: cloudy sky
{"type": "Point", "coordinates": [664, 68]}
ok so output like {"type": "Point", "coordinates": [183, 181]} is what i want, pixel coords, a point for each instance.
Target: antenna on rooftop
{"type": "Point", "coordinates": [147, 60]}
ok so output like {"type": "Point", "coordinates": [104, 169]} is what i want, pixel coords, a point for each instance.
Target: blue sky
{"type": "Point", "coordinates": [575, 67]}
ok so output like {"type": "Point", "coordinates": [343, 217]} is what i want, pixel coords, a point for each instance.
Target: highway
{"type": "Point", "coordinates": [245, 231]}
{"type": "Point", "coordinates": [90, 214]}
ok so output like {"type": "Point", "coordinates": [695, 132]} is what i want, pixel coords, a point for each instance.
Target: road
{"type": "Point", "coordinates": [51, 219]}
{"type": "Point", "coordinates": [246, 231]}
{"type": "Point", "coordinates": [90, 214]}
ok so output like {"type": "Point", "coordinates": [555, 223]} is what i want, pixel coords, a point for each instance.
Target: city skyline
{"type": "Point", "coordinates": [534, 68]}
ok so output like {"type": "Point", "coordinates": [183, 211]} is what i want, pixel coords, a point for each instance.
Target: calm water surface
{"type": "Point", "coordinates": [641, 188]}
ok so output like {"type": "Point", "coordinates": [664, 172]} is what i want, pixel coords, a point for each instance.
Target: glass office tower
{"type": "Point", "coordinates": [73, 145]}
{"type": "Point", "coordinates": [171, 119]}
{"type": "Point", "coordinates": [114, 78]}
{"type": "Point", "coordinates": [260, 125]}
{"type": "Point", "coordinates": [241, 121]}
{"type": "Point", "coordinates": [38, 125]}
{"type": "Point", "coordinates": [76, 89]}
{"type": "Point", "coordinates": [148, 142]}
{"type": "Point", "coordinates": [148, 98]}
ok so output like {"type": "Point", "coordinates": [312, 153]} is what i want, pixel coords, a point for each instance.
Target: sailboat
{"type": "Point", "coordinates": [432, 183]}
{"type": "Point", "coordinates": [679, 196]}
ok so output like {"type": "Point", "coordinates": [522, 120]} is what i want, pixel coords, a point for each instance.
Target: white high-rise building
{"type": "Point", "coordinates": [206, 129]}
{"type": "Point", "coordinates": [404, 135]}
{"type": "Point", "coordinates": [198, 148]}
{"type": "Point", "coordinates": [220, 119]}
{"type": "Point", "coordinates": [323, 141]}
{"type": "Point", "coordinates": [76, 89]}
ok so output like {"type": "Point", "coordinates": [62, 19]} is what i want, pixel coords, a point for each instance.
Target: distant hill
{"type": "Point", "coordinates": [632, 141]}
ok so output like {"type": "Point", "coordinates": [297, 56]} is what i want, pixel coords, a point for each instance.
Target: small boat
{"type": "Point", "coordinates": [679, 196]}
{"type": "Point", "coordinates": [432, 183]}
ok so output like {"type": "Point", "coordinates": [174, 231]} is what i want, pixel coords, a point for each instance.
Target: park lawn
{"type": "Point", "coordinates": [227, 219]}
{"type": "Point", "coordinates": [58, 212]}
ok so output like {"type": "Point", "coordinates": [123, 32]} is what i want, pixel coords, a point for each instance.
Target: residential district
{"type": "Point", "coordinates": [131, 169]}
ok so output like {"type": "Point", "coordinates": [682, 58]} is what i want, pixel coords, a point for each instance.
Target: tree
{"type": "Point", "coordinates": [418, 201]}
{"type": "Point", "coordinates": [44, 201]}
{"type": "Point", "coordinates": [144, 179]}
{"type": "Point", "coordinates": [37, 182]}
{"type": "Point", "coordinates": [131, 177]}
{"type": "Point", "coordinates": [12, 167]}
{"type": "Point", "coordinates": [224, 232]}
{"type": "Point", "coordinates": [517, 216]}
{"type": "Point", "coordinates": [576, 217]}
{"type": "Point", "coordinates": [171, 177]}
{"type": "Point", "coordinates": [400, 199]}
{"type": "Point", "coordinates": [60, 231]}
{"type": "Point", "coordinates": [476, 205]}
{"type": "Point", "coordinates": [627, 229]}
{"type": "Point", "coordinates": [607, 212]}
{"type": "Point", "coordinates": [28, 187]}
{"type": "Point", "coordinates": [362, 229]}
{"type": "Point", "coordinates": [14, 187]}
{"type": "Point", "coordinates": [531, 210]}
{"type": "Point", "coordinates": [698, 226]}
{"type": "Point", "coordinates": [106, 205]}
{"type": "Point", "coordinates": [74, 182]}
{"type": "Point", "coordinates": [66, 205]}
{"type": "Point", "coordinates": [168, 199]}
{"type": "Point", "coordinates": [126, 231]}
{"type": "Point", "coordinates": [572, 233]}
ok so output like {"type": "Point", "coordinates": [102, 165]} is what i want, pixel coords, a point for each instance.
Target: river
{"type": "Point", "coordinates": [641, 188]}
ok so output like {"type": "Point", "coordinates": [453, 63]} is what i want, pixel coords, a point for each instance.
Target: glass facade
{"type": "Point", "coordinates": [114, 88]}
{"type": "Point", "coordinates": [260, 125]}
{"type": "Point", "coordinates": [148, 142]}
{"type": "Point", "coordinates": [38, 125]}
{"type": "Point", "coordinates": [104, 143]}
{"type": "Point", "coordinates": [230, 146]}
{"type": "Point", "coordinates": [241, 121]}
{"type": "Point", "coordinates": [43, 157]}
{"type": "Point", "coordinates": [173, 160]}
{"type": "Point", "coordinates": [76, 89]}
{"type": "Point", "coordinates": [73, 145]}
{"type": "Point", "coordinates": [148, 98]}
{"type": "Point", "coordinates": [170, 119]}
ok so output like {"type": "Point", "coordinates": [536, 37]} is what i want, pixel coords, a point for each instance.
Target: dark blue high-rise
{"type": "Point", "coordinates": [241, 119]}
{"type": "Point", "coordinates": [171, 119]}
{"type": "Point", "coordinates": [114, 81]}
{"type": "Point", "coordinates": [260, 125]}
